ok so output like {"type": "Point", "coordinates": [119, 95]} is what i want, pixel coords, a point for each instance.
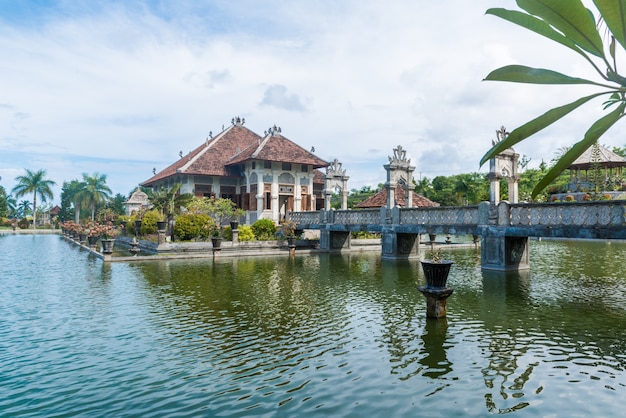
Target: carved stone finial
{"type": "Point", "coordinates": [335, 168]}
{"type": "Point", "coordinates": [500, 135]}
{"type": "Point", "coordinates": [399, 156]}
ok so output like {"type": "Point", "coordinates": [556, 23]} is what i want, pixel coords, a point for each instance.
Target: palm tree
{"type": "Point", "coordinates": [23, 209]}
{"type": "Point", "coordinates": [169, 202]}
{"type": "Point", "coordinates": [12, 205]}
{"type": "Point", "coordinates": [37, 184]}
{"type": "Point", "coordinates": [95, 191]}
{"type": "Point", "coordinates": [75, 190]}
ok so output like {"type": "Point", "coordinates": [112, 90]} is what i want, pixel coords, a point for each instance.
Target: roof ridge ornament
{"type": "Point", "coordinates": [237, 121]}
{"type": "Point", "coordinates": [273, 130]}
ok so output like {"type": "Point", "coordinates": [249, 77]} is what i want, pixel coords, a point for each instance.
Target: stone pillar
{"type": "Point", "coordinates": [503, 253]}
{"type": "Point", "coordinates": [397, 245]}
{"type": "Point", "coordinates": [436, 301]}
{"type": "Point", "coordinates": [334, 241]}
{"type": "Point", "coordinates": [335, 179]}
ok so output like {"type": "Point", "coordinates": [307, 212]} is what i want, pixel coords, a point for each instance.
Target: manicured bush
{"type": "Point", "coordinates": [246, 233]}
{"type": "Point", "coordinates": [149, 222]}
{"type": "Point", "coordinates": [23, 223]}
{"type": "Point", "coordinates": [191, 226]}
{"type": "Point", "coordinates": [264, 229]}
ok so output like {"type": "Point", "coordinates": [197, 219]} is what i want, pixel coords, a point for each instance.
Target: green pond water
{"type": "Point", "coordinates": [322, 335]}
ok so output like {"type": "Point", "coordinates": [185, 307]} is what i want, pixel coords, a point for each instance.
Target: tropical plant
{"type": "Point", "coordinates": [94, 192]}
{"type": "Point", "coordinates": [571, 24]}
{"type": "Point", "coordinates": [169, 201]}
{"type": "Point", "coordinates": [34, 182]}
{"type": "Point", "coordinates": [4, 205]}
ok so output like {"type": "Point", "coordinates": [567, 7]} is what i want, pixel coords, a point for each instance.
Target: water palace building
{"type": "Point", "coordinates": [264, 175]}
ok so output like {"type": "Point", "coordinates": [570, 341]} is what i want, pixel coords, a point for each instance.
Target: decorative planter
{"type": "Point", "coordinates": [92, 241]}
{"type": "Point", "coordinates": [291, 242]}
{"type": "Point", "coordinates": [82, 238]}
{"type": "Point", "coordinates": [436, 273]}
{"type": "Point", "coordinates": [137, 228]}
{"type": "Point", "coordinates": [234, 225]}
{"type": "Point", "coordinates": [107, 245]}
{"type": "Point", "coordinates": [217, 242]}
{"type": "Point", "coordinates": [161, 225]}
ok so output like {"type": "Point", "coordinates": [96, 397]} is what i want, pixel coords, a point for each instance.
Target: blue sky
{"type": "Point", "coordinates": [121, 87]}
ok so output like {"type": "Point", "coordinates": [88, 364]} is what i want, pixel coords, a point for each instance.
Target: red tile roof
{"type": "Point", "coordinates": [236, 144]}
{"type": "Point", "coordinates": [211, 157]}
{"type": "Point", "coordinates": [380, 200]}
{"type": "Point", "coordinates": [275, 147]}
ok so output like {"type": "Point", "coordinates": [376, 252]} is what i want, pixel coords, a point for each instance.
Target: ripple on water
{"type": "Point", "coordinates": [327, 335]}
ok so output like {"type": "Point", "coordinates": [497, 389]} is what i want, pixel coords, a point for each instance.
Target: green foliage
{"type": "Point", "coordinates": [23, 223]}
{"type": "Point", "coordinates": [570, 24]}
{"type": "Point", "coordinates": [34, 182]}
{"type": "Point", "coordinates": [169, 201]}
{"type": "Point", "coordinates": [191, 226]}
{"type": "Point", "coordinates": [4, 205]}
{"type": "Point", "coordinates": [221, 210]}
{"type": "Point", "coordinates": [149, 222]}
{"type": "Point", "coordinates": [116, 204]}
{"type": "Point", "coordinates": [246, 233]}
{"type": "Point", "coordinates": [456, 190]}
{"type": "Point", "coordinates": [264, 229]}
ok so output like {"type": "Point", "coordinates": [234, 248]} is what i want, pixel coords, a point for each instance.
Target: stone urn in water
{"type": "Point", "coordinates": [436, 272]}
{"type": "Point", "coordinates": [107, 245]}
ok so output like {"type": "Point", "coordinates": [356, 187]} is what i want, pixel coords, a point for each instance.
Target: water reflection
{"type": "Point", "coordinates": [433, 353]}
{"type": "Point", "coordinates": [332, 335]}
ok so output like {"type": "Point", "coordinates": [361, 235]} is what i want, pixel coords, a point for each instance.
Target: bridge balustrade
{"type": "Point", "coordinates": [357, 217]}
{"type": "Point", "coordinates": [465, 215]}
{"type": "Point", "coordinates": [585, 214]}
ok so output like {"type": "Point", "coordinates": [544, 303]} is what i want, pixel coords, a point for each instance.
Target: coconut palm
{"type": "Point", "coordinates": [571, 24]}
{"type": "Point", "coordinates": [94, 192]}
{"type": "Point", "coordinates": [34, 182]}
{"type": "Point", "coordinates": [23, 209]}
{"type": "Point", "coordinates": [72, 191]}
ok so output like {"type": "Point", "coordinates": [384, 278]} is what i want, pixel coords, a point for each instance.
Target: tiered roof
{"type": "Point", "coordinates": [235, 145]}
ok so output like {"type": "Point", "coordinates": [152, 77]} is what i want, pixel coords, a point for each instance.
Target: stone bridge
{"type": "Point", "coordinates": [504, 227]}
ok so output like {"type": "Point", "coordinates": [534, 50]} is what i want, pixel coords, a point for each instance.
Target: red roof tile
{"type": "Point", "coordinates": [211, 157]}
{"type": "Point", "coordinates": [380, 200]}
{"type": "Point", "coordinates": [275, 147]}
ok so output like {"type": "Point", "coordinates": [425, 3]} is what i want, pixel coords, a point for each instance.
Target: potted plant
{"type": "Point", "coordinates": [289, 231]}
{"type": "Point", "coordinates": [436, 269]}
{"type": "Point", "coordinates": [216, 238]}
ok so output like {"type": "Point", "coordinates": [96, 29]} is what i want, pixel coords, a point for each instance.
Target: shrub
{"type": "Point", "coordinates": [569, 198]}
{"type": "Point", "coordinates": [605, 196]}
{"type": "Point", "coordinates": [23, 223]}
{"type": "Point", "coordinates": [264, 229]}
{"type": "Point", "coordinates": [149, 222]}
{"type": "Point", "coordinates": [246, 233]}
{"type": "Point", "coordinates": [192, 225]}
{"type": "Point", "coordinates": [586, 197]}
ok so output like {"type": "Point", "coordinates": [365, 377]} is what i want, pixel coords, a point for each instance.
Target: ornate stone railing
{"type": "Point", "coordinates": [357, 217]}
{"type": "Point", "coordinates": [464, 215]}
{"type": "Point", "coordinates": [585, 214]}
{"type": "Point", "coordinates": [306, 218]}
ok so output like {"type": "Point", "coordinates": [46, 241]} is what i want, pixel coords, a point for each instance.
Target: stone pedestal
{"type": "Point", "coordinates": [400, 245]}
{"type": "Point", "coordinates": [436, 304]}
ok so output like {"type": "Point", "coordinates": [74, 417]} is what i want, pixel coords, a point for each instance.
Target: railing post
{"type": "Point", "coordinates": [504, 213]}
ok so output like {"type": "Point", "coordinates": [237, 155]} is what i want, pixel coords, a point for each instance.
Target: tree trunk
{"type": "Point", "coordinates": [35, 210]}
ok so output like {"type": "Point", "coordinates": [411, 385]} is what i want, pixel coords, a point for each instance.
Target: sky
{"type": "Point", "coordinates": [120, 88]}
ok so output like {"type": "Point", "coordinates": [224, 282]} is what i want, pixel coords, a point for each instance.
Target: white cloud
{"type": "Point", "coordinates": [119, 89]}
